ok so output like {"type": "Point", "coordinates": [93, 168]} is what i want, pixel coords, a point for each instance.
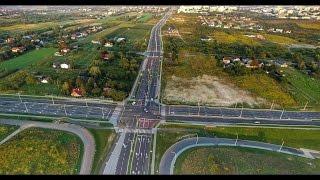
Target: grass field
{"type": "Point", "coordinates": [314, 25]}
{"type": "Point", "coordinates": [44, 25]}
{"type": "Point", "coordinates": [235, 160]}
{"type": "Point", "coordinates": [170, 134]}
{"type": "Point", "coordinates": [145, 17]}
{"type": "Point", "coordinates": [226, 38]}
{"type": "Point", "coordinates": [279, 39]}
{"type": "Point", "coordinates": [104, 140]}
{"type": "Point", "coordinates": [303, 88]}
{"type": "Point", "coordinates": [259, 85]}
{"type": "Point", "coordinates": [264, 86]}
{"type": "Point", "coordinates": [138, 32]}
{"type": "Point", "coordinates": [27, 59]}
{"type": "Point", "coordinates": [41, 151]}
{"type": "Point", "coordinates": [6, 130]}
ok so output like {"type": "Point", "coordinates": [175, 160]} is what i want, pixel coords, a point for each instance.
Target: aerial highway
{"type": "Point", "coordinates": [135, 117]}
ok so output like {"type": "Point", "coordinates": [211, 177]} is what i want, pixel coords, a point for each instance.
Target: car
{"type": "Point", "coordinates": [257, 122]}
{"type": "Point", "coordinates": [133, 103]}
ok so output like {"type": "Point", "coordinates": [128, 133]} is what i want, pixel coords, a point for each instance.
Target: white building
{"type": "Point", "coordinates": [64, 66]}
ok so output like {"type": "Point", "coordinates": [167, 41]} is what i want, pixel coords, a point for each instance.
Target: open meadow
{"type": "Point", "coordinates": [41, 151]}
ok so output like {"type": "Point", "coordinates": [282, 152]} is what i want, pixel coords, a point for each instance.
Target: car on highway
{"type": "Point", "coordinates": [257, 122]}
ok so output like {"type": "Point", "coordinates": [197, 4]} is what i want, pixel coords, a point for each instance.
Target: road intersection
{"type": "Point", "coordinates": [135, 118]}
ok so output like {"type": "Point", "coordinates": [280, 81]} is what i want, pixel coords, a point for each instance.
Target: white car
{"type": "Point", "coordinates": [257, 122]}
{"type": "Point", "coordinates": [133, 103]}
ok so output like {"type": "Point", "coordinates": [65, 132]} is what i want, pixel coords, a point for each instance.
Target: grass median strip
{"type": "Point", "coordinates": [168, 134]}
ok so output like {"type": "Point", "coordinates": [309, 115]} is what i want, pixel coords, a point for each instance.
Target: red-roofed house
{"type": "Point", "coordinates": [76, 92]}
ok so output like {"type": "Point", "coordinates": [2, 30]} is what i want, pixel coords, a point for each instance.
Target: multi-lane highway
{"type": "Point", "coordinates": [142, 110]}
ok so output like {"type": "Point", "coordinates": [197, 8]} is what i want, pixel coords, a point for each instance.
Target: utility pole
{"type": "Point", "coordinates": [241, 111]}
{"type": "Point", "coordinates": [199, 107]}
{"type": "Point", "coordinates": [271, 105]}
{"type": "Point", "coordinates": [281, 145]}
{"type": "Point", "coordinates": [20, 97]}
{"type": "Point", "coordinates": [236, 140]}
{"type": "Point", "coordinates": [25, 105]}
{"type": "Point", "coordinates": [197, 138]}
{"type": "Point", "coordinates": [282, 113]}
{"type": "Point", "coordinates": [305, 106]}
{"type": "Point", "coordinates": [65, 111]}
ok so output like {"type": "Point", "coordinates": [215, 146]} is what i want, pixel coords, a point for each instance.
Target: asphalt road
{"type": "Point", "coordinates": [84, 134]}
{"type": "Point", "coordinates": [135, 155]}
{"type": "Point", "coordinates": [61, 108]}
{"type": "Point", "coordinates": [172, 110]}
{"type": "Point", "coordinates": [169, 158]}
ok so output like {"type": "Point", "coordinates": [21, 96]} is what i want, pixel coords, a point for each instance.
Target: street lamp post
{"type": "Point", "coordinates": [236, 139]}
{"type": "Point", "coordinates": [281, 145]}
{"type": "Point", "coordinates": [20, 97]}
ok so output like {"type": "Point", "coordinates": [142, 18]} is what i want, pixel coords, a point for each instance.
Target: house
{"type": "Point", "coordinates": [65, 50]}
{"type": "Point", "coordinates": [105, 55]}
{"type": "Point", "coordinates": [57, 54]}
{"type": "Point", "coordinates": [108, 44]}
{"type": "Point", "coordinates": [44, 80]}
{"type": "Point", "coordinates": [205, 38]}
{"type": "Point", "coordinates": [260, 37]}
{"type": "Point", "coordinates": [9, 40]}
{"type": "Point", "coordinates": [121, 40]}
{"type": "Point", "coordinates": [27, 37]}
{"type": "Point", "coordinates": [226, 60]}
{"type": "Point", "coordinates": [236, 59]}
{"type": "Point", "coordinates": [95, 42]}
{"type": "Point", "coordinates": [64, 66]}
{"type": "Point", "coordinates": [73, 36]}
{"type": "Point", "coordinates": [19, 49]}
{"type": "Point", "coordinates": [76, 92]}
{"type": "Point", "coordinates": [282, 64]}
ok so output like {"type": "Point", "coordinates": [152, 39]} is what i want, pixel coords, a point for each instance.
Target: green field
{"type": "Point", "coordinates": [279, 39]}
{"type": "Point", "coordinates": [235, 160]}
{"type": "Point", "coordinates": [223, 37]}
{"type": "Point", "coordinates": [264, 86]}
{"type": "Point", "coordinates": [137, 32]}
{"type": "Point", "coordinates": [6, 130]}
{"type": "Point", "coordinates": [27, 59]}
{"type": "Point", "coordinates": [170, 134]}
{"type": "Point", "coordinates": [303, 88]}
{"type": "Point", "coordinates": [104, 140]}
{"type": "Point", "coordinates": [145, 17]}
{"type": "Point", "coordinates": [41, 151]}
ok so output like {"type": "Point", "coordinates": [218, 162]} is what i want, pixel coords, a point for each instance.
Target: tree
{"type": "Point", "coordinates": [66, 88]}
{"type": "Point", "coordinates": [30, 79]}
{"type": "Point", "coordinates": [301, 65]}
{"type": "Point", "coordinates": [95, 71]}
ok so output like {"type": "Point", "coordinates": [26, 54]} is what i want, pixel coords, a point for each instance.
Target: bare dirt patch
{"type": "Point", "coordinates": [209, 90]}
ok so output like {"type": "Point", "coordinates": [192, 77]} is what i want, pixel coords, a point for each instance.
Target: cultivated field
{"type": "Point", "coordinates": [231, 160]}
{"type": "Point", "coordinates": [41, 151]}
